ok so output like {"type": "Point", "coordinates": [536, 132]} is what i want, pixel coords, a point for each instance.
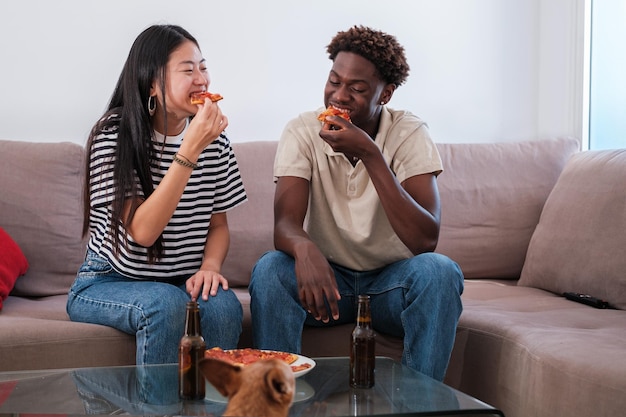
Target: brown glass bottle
{"type": "Point", "coordinates": [191, 350]}
{"type": "Point", "coordinates": [362, 347]}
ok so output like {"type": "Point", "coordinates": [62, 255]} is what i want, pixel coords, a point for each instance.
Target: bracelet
{"type": "Point", "coordinates": [184, 162]}
{"type": "Point", "coordinates": [186, 159]}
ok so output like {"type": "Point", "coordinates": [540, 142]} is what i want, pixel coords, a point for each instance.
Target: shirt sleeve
{"type": "Point", "coordinates": [230, 191]}
{"type": "Point", "coordinates": [101, 164]}
{"type": "Point", "coordinates": [295, 153]}
{"type": "Point", "coordinates": [417, 154]}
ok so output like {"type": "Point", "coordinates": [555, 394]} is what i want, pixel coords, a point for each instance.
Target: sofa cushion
{"type": "Point", "coordinates": [529, 352]}
{"type": "Point", "coordinates": [579, 243]}
{"type": "Point", "coordinates": [12, 264]}
{"type": "Point", "coordinates": [32, 343]}
{"type": "Point", "coordinates": [492, 195]}
{"type": "Point", "coordinates": [41, 208]}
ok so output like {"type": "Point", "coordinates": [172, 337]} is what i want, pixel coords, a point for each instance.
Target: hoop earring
{"type": "Point", "coordinates": [151, 105]}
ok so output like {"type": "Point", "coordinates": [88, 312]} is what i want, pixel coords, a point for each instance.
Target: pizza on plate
{"type": "Point", "coordinates": [246, 356]}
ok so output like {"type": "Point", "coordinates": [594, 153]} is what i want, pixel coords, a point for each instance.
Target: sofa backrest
{"type": "Point", "coordinates": [492, 195]}
{"type": "Point", "coordinates": [251, 224]}
{"type": "Point", "coordinates": [41, 209]}
{"type": "Point", "coordinates": [578, 245]}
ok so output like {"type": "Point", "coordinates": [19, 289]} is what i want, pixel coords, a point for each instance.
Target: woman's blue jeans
{"type": "Point", "coordinates": [418, 299]}
{"type": "Point", "coordinates": [153, 311]}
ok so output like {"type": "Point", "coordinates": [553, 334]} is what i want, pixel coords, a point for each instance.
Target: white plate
{"type": "Point", "coordinates": [303, 392]}
{"type": "Point", "coordinates": [301, 361]}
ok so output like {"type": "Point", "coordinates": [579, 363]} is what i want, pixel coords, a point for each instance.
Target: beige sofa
{"type": "Point", "coordinates": [526, 221]}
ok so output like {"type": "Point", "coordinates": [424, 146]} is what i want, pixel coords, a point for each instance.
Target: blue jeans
{"type": "Point", "coordinates": [418, 299]}
{"type": "Point", "coordinates": [153, 311]}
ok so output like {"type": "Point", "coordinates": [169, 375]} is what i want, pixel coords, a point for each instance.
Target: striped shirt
{"type": "Point", "coordinates": [214, 187]}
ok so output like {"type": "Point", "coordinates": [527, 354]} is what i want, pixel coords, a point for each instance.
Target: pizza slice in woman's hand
{"type": "Point", "coordinates": [198, 98]}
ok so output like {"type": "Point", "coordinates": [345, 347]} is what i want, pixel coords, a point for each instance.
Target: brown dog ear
{"type": "Point", "coordinates": [277, 386]}
{"type": "Point", "coordinates": [225, 377]}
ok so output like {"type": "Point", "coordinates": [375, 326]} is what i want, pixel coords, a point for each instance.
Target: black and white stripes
{"type": "Point", "coordinates": [215, 186]}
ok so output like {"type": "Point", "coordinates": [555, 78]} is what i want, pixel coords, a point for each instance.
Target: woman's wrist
{"type": "Point", "coordinates": [190, 150]}
{"type": "Point", "coordinates": [184, 161]}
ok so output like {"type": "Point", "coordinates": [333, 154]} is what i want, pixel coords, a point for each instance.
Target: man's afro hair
{"type": "Point", "coordinates": [380, 48]}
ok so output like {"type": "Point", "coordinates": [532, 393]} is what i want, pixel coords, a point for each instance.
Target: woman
{"type": "Point", "coordinates": [161, 176]}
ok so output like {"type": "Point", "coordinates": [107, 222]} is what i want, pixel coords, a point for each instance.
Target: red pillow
{"type": "Point", "coordinates": [12, 264]}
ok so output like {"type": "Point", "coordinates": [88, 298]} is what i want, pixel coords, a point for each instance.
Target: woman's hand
{"type": "Point", "coordinates": [208, 279]}
{"type": "Point", "coordinates": [204, 128]}
{"type": "Point", "coordinates": [205, 282]}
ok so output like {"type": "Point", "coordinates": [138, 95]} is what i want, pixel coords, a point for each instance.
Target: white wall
{"type": "Point", "coordinates": [482, 70]}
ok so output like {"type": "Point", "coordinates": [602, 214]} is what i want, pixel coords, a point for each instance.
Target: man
{"type": "Point", "coordinates": [368, 187]}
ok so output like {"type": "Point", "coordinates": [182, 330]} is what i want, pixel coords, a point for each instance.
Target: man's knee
{"type": "Point", "coordinates": [441, 268]}
{"type": "Point", "coordinates": [267, 268]}
{"type": "Point", "coordinates": [267, 261]}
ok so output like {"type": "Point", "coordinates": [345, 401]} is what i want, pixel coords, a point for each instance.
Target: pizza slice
{"type": "Point", "coordinates": [247, 356]}
{"type": "Point", "coordinates": [198, 98]}
{"type": "Point", "coordinates": [332, 111]}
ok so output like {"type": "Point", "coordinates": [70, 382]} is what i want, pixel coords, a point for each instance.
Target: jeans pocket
{"type": "Point", "coordinates": [94, 269]}
{"type": "Point", "coordinates": [94, 265]}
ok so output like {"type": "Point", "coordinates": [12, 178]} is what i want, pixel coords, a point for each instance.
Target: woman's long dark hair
{"type": "Point", "coordinates": [146, 63]}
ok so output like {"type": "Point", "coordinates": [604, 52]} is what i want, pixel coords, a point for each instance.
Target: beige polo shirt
{"type": "Point", "coordinates": [345, 217]}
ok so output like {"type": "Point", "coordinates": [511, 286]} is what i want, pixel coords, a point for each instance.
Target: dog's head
{"type": "Point", "coordinates": [264, 388]}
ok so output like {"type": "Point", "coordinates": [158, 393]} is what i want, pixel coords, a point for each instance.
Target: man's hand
{"type": "Point", "coordinates": [317, 285]}
{"type": "Point", "coordinates": [343, 136]}
{"type": "Point", "coordinates": [316, 280]}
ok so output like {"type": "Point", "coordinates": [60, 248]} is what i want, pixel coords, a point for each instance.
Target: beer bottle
{"type": "Point", "coordinates": [362, 347]}
{"type": "Point", "coordinates": [190, 351]}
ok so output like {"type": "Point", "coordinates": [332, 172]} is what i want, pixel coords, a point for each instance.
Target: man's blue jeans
{"type": "Point", "coordinates": [153, 311]}
{"type": "Point", "coordinates": [418, 299]}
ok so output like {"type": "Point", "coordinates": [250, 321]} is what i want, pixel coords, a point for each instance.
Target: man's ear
{"type": "Point", "coordinates": [387, 93]}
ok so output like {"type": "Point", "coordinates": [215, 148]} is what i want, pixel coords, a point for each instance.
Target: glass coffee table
{"type": "Point", "coordinates": [153, 390]}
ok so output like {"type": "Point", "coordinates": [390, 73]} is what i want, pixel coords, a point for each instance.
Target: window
{"type": "Point", "coordinates": [607, 79]}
